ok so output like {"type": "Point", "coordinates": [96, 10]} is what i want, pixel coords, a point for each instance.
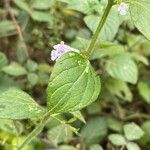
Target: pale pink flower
{"type": "Point", "coordinates": [59, 50]}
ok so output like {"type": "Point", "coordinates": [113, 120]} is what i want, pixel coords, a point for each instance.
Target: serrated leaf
{"type": "Point", "coordinates": [133, 131]}
{"type": "Point", "coordinates": [3, 60]}
{"type": "Point", "coordinates": [119, 88]}
{"type": "Point", "coordinates": [110, 27]}
{"type": "Point", "coordinates": [94, 130]}
{"type": "Point", "coordinates": [117, 139]}
{"type": "Point", "coordinates": [14, 69]}
{"type": "Point", "coordinates": [139, 10]}
{"type": "Point", "coordinates": [73, 84]}
{"type": "Point", "coordinates": [16, 104]}
{"type": "Point", "coordinates": [123, 67]}
{"type": "Point", "coordinates": [132, 146]}
{"type": "Point", "coordinates": [144, 90]}
{"type": "Point", "coordinates": [106, 49]}
{"type": "Point", "coordinates": [60, 134]}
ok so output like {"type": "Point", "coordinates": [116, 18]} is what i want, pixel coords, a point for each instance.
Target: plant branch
{"type": "Point", "coordinates": [137, 115]}
{"type": "Point", "coordinates": [18, 28]}
{"type": "Point", "coordinates": [99, 28]}
{"type": "Point", "coordinates": [36, 131]}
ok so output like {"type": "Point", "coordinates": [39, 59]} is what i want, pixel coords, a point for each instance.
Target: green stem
{"type": "Point", "coordinates": [99, 28]}
{"type": "Point", "coordinates": [36, 131]}
{"type": "Point", "coordinates": [137, 115]}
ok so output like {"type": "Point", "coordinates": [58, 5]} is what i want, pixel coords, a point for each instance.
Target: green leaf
{"type": "Point", "coordinates": [7, 28]}
{"type": "Point", "coordinates": [78, 115]}
{"type": "Point", "coordinates": [117, 139]}
{"type": "Point", "coordinates": [139, 10]}
{"type": "Point", "coordinates": [114, 124]}
{"type": "Point", "coordinates": [66, 147]}
{"type": "Point", "coordinates": [133, 131]}
{"type": "Point", "coordinates": [73, 84]}
{"type": "Point", "coordinates": [60, 134]}
{"type": "Point", "coordinates": [32, 78]}
{"type": "Point", "coordinates": [14, 69]}
{"type": "Point", "coordinates": [119, 88]}
{"type": "Point", "coordinates": [20, 52]}
{"type": "Point", "coordinates": [23, 5]}
{"type": "Point", "coordinates": [94, 131]}
{"type": "Point", "coordinates": [16, 104]}
{"type": "Point", "coordinates": [132, 146]}
{"type": "Point", "coordinates": [3, 60]}
{"type": "Point", "coordinates": [18, 141]}
{"type": "Point", "coordinates": [6, 82]}
{"type": "Point", "coordinates": [84, 6]}
{"type": "Point", "coordinates": [106, 49]}
{"type": "Point", "coordinates": [31, 65]}
{"type": "Point", "coordinates": [139, 57]}
{"type": "Point", "coordinates": [94, 108]}
{"type": "Point", "coordinates": [123, 67]}
{"type": "Point", "coordinates": [41, 5]}
{"type": "Point", "coordinates": [7, 125]}
{"type": "Point", "coordinates": [45, 68]}
{"type": "Point", "coordinates": [95, 147]}
{"type": "Point", "coordinates": [146, 129]}
{"type": "Point", "coordinates": [80, 43]}
{"type": "Point", "coordinates": [110, 27]}
{"type": "Point", "coordinates": [144, 90]}
{"type": "Point", "coordinates": [41, 16]}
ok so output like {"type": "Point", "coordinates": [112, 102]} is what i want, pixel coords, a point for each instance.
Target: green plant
{"type": "Point", "coordinates": [74, 84]}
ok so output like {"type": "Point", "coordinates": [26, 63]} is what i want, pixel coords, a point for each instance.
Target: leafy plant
{"type": "Point", "coordinates": [109, 62]}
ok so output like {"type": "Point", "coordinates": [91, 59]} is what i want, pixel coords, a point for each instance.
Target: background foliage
{"type": "Point", "coordinates": [119, 119]}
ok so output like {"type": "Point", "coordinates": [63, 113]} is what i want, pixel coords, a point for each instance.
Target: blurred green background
{"type": "Point", "coordinates": [120, 116]}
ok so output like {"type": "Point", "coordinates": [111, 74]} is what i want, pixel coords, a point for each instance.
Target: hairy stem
{"type": "Point", "coordinates": [99, 28]}
{"type": "Point", "coordinates": [36, 131]}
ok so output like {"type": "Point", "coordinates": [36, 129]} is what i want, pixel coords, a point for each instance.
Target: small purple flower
{"type": "Point", "coordinates": [123, 8]}
{"type": "Point", "coordinates": [59, 50]}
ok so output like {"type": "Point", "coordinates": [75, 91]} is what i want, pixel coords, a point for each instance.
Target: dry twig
{"type": "Point", "coordinates": [18, 28]}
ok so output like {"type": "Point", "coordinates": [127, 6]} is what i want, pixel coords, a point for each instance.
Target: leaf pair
{"type": "Point", "coordinates": [139, 10]}
{"type": "Point", "coordinates": [72, 86]}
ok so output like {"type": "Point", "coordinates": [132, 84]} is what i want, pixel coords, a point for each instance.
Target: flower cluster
{"type": "Point", "coordinates": [123, 8]}
{"type": "Point", "coordinates": [59, 50]}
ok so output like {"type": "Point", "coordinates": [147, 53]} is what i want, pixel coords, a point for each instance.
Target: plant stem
{"type": "Point", "coordinates": [18, 28]}
{"type": "Point", "coordinates": [137, 115]}
{"type": "Point", "coordinates": [99, 28]}
{"type": "Point", "coordinates": [36, 131]}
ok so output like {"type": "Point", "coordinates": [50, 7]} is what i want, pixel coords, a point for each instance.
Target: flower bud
{"type": "Point", "coordinates": [123, 8]}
